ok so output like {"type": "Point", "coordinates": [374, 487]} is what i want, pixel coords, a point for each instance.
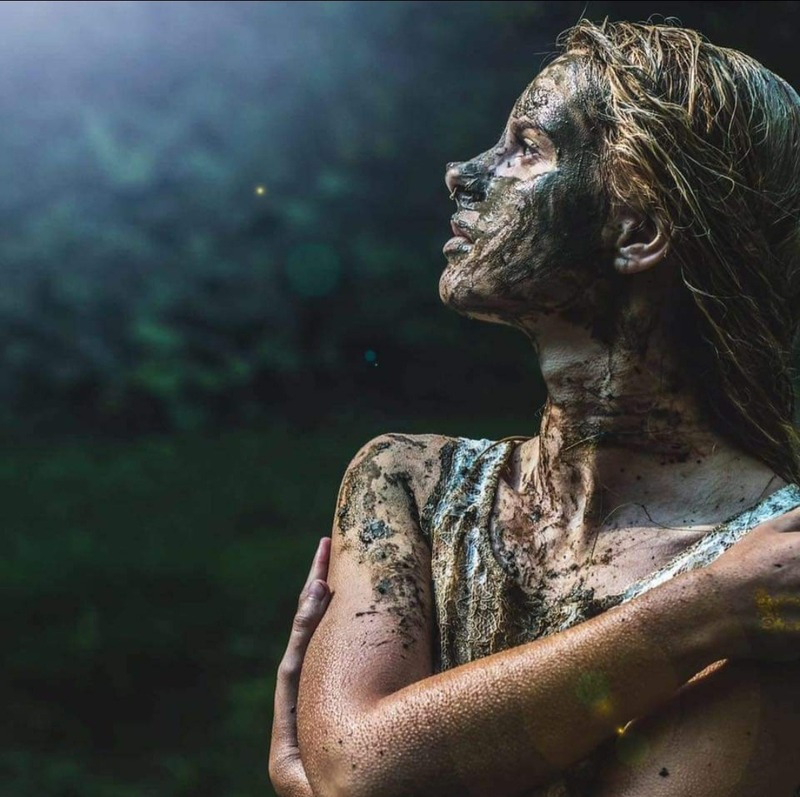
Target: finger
{"type": "Point", "coordinates": [309, 612]}
{"type": "Point", "coordinates": [787, 522]}
{"type": "Point", "coordinates": [284, 725]}
{"type": "Point", "coordinates": [319, 565]}
{"type": "Point", "coordinates": [305, 622]}
{"type": "Point", "coordinates": [285, 766]}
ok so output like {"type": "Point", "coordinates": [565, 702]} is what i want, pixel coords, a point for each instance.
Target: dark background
{"type": "Point", "coordinates": [220, 249]}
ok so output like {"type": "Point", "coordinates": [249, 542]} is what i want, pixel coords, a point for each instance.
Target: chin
{"type": "Point", "coordinates": [458, 288]}
{"type": "Point", "coordinates": [470, 297]}
{"type": "Point", "coordinates": [474, 294]}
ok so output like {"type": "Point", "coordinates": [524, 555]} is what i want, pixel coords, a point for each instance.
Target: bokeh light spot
{"type": "Point", "coordinates": [602, 707]}
{"type": "Point", "coordinates": [313, 270]}
{"type": "Point", "coordinates": [592, 688]}
{"type": "Point", "coordinates": [632, 747]}
{"type": "Point", "coordinates": [260, 190]}
{"type": "Point", "coordinates": [371, 357]}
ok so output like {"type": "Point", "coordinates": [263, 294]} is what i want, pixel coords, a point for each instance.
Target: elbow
{"type": "Point", "coordinates": [334, 763]}
{"type": "Point", "coordinates": [329, 783]}
{"type": "Point", "coordinates": [354, 762]}
{"type": "Point", "coordinates": [348, 774]}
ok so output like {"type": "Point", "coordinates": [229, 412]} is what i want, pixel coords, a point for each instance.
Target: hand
{"type": "Point", "coordinates": [286, 770]}
{"type": "Point", "coordinates": [759, 579]}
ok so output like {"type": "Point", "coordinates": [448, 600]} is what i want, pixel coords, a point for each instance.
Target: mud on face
{"type": "Point", "coordinates": [533, 206]}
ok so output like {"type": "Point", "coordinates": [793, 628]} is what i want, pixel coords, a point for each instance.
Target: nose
{"type": "Point", "coordinates": [453, 177]}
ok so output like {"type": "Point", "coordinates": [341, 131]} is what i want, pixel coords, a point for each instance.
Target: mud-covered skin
{"type": "Point", "coordinates": [373, 499]}
{"type": "Point", "coordinates": [567, 539]}
{"type": "Point", "coordinates": [533, 206]}
{"type": "Point", "coordinates": [377, 537]}
{"type": "Point", "coordinates": [342, 661]}
{"type": "Point", "coordinates": [626, 472]}
{"type": "Point", "coordinates": [623, 431]}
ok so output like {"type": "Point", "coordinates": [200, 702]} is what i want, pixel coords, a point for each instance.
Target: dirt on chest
{"type": "Point", "coordinates": [555, 564]}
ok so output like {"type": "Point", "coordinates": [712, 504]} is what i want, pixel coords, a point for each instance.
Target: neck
{"type": "Point", "coordinates": [623, 432]}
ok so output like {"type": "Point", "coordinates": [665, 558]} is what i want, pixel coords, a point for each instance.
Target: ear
{"type": "Point", "coordinates": [638, 244]}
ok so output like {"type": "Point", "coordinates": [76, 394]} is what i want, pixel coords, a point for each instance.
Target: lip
{"type": "Point", "coordinates": [459, 231]}
{"type": "Point", "coordinates": [457, 245]}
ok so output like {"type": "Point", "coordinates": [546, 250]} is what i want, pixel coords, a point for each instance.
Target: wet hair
{"type": "Point", "coordinates": [705, 142]}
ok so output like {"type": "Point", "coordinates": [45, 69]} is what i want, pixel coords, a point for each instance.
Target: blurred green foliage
{"type": "Point", "coordinates": [148, 592]}
{"type": "Point", "coordinates": [212, 210]}
{"type": "Point", "coordinates": [147, 585]}
{"type": "Point", "coordinates": [215, 209]}
{"type": "Point", "coordinates": [221, 240]}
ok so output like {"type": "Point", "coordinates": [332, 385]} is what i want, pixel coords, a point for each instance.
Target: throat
{"type": "Point", "coordinates": [625, 444]}
{"type": "Point", "coordinates": [583, 479]}
{"type": "Point", "coordinates": [623, 431]}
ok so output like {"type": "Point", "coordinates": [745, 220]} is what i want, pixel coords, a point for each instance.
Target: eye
{"type": "Point", "coordinates": [529, 147]}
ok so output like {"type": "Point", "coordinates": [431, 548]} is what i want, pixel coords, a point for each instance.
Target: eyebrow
{"type": "Point", "coordinates": [518, 125]}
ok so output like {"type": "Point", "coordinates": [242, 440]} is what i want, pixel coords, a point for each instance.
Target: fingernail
{"type": "Point", "coordinates": [317, 590]}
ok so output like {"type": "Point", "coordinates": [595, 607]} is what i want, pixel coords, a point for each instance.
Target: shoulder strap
{"type": "Point", "coordinates": [453, 494]}
{"type": "Point", "coordinates": [717, 541]}
{"type": "Point", "coordinates": [470, 589]}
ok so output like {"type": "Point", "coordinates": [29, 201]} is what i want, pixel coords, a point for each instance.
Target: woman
{"type": "Point", "coordinates": [568, 614]}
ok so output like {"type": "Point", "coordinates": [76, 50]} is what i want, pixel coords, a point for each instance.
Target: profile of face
{"type": "Point", "coordinates": [531, 226]}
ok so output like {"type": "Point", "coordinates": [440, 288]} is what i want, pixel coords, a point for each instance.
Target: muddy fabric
{"type": "Point", "coordinates": [480, 610]}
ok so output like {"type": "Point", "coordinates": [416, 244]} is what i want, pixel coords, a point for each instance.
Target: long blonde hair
{"type": "Point", "coordinates": [706, 142]}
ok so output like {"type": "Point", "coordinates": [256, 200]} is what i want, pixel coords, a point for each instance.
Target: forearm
{"type": "Point", "coordinates": [512, 720]}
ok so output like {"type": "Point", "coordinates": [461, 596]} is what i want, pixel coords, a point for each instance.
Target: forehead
{"type": "Point", "coordinates": [558, 100]}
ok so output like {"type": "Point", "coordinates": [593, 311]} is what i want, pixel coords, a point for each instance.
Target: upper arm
{"type": "Point", "coordinates": [376, 635]}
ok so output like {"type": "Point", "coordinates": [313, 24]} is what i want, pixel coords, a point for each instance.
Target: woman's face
{"type": "Point", "coordinates": [531, 209]}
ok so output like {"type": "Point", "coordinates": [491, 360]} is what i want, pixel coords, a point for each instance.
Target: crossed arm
{"type": "Point", "coordinates": [374, 719]}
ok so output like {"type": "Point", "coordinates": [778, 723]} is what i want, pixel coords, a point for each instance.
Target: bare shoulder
{"type": "Point", "coordinates": [380, 618]}
{"type": "Point", "coordinates": [376, 635]}
{"type": "Point", "coordinates": [393, 466]}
